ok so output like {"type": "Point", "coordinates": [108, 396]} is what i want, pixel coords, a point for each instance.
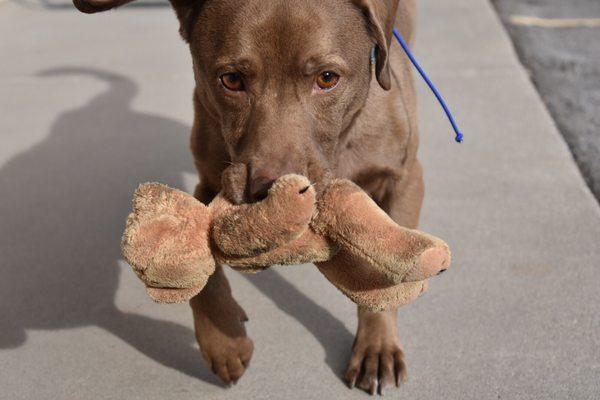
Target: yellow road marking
{"type": "Point", "coordinates": [524, 20]}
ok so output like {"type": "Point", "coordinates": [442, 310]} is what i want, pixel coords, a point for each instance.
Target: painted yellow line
{"type": "Point", "coordinates": [555, 22]}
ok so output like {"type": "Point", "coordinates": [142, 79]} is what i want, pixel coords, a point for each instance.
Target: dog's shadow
{"type": "Point", "coordinates": [63, 203]}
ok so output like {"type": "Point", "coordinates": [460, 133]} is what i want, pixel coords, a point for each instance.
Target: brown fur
{"type": "Point", "coordinates": [358, 131]}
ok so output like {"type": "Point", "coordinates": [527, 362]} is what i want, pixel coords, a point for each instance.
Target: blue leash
{"type": "Point", "coordinates": [400, 39]}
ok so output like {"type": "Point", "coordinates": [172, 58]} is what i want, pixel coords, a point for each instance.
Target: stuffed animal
{"type": "Point", "coordinates": [173, 241]}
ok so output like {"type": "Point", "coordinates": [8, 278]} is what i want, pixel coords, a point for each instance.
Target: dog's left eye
{"type": "Point", "coordinates": [232, 81]}
{"type": "Point", "coordinates": [328, 80]}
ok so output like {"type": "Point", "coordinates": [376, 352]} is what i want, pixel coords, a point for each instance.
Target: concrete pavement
{"type": "Point", "coordinates": [92, 105]}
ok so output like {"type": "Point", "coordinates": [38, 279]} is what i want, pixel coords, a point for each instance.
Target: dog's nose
{"type": "Point", "coordinates": [260, 183]}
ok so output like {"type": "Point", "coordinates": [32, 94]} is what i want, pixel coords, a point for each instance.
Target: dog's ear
{"type": "Point", "coordinates": [380, 15]}
{"type": "Point", "coordinates": [186, 11]}
{"type": "Point", "coordinates": [94, 6]}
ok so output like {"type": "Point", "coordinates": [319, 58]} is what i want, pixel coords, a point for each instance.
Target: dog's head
{"type": "Point", "coordinates": [282, 80]}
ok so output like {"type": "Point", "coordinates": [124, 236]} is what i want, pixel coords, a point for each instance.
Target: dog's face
{"type": "Point", "coordinates": [283, 83]}
{"type": "Point", "coordinates": [282, 80]}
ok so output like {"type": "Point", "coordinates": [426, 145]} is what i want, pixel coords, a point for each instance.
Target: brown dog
{"type": "Point", "coordinates": [287, 87]}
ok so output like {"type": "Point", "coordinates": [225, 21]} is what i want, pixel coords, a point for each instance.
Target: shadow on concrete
{"type": "Point", "coordinates": [63, 206]}
{"type": "Point", "coordinates": [327, 329]}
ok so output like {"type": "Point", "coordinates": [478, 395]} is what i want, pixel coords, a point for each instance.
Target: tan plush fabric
{"type": "Point", "coordinates": [166, 241]}
{"type": "Point", "coordinates": [348, 216]}
{"type": "Point", "coordinates": [366, 286]}
{"type": "Point", "coordinates": [173, 241]}
{"type": "Point", "coordinates": [268, 224]}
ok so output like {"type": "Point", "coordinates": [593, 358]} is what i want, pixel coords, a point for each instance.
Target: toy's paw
{"type": "Point", "coordinates": [292, 191]}
{"type": "Point", "coordinates": [166, 242]}
{"type": "Point", "coordinates": [251, 229]}
{"type": "Point", "coordinates": [222, 338]}
{"type": "Point", "coordinates": [432, 260]}
{"type": "Point", "coordinates": [377, 361]}
{"type": "Point", "coordinates": [170, 295]}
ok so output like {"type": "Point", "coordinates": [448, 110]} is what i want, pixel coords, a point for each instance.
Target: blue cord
{"type": "Point", "coordinates": [459, 135]}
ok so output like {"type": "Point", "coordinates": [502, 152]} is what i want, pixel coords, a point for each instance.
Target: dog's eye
{"type": "Point", "coordinates": [232, 81]}
{"type": "Point", "coordinates": [328, 80]}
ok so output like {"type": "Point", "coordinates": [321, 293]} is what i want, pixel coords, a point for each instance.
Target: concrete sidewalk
{"type": "Point", "coordinates": [564, 64]}
{"type": "Point", "coordinates": [92, 105]}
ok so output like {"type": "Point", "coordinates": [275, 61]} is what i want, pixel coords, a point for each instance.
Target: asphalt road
{"type": "Point", "coordinates": [564, 64]}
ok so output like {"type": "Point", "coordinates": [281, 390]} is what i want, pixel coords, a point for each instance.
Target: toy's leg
{"type": "Point", "coordinates": [219, 324]}
{"type": "Point", "coordinates": [377, 359]}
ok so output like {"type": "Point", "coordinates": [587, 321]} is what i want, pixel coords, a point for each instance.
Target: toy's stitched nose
{"type": "Point", "coordinates": [259, 185]}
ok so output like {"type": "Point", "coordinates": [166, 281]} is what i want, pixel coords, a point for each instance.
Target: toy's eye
{"type": "Point", "coordinates": [327, 80]}
{"type": "Point", "coordinates": [232, 81]}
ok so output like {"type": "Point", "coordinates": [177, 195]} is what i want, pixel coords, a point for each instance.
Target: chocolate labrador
{"type": "Point", "coordinates": [309, 87]}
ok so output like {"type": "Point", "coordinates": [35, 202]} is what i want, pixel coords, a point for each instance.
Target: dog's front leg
{"type": "Point", "coordinates": [220, 332]}
{"type": "Point", "coordinates": [377, 360]}
{"type": "Point", "coordinates": [219, 322]}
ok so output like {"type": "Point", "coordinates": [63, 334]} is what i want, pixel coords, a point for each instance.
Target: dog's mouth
{"type": "Point", "coordinates": [237, 188]}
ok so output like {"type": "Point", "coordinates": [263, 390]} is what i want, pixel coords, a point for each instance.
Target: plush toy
{"type": "Point", "coordinates": [173, 241]}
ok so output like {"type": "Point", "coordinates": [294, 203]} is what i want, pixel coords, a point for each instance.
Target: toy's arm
{"type": "Point", "coordinates": [308, 248]}
{"type": "Point", "coordinates": [250, 230]}
{"type": "Point", "coordinates": [348, 216]}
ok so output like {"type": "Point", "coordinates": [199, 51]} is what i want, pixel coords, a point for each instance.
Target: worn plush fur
{"type": "Point", "coordinates": [174, 242]}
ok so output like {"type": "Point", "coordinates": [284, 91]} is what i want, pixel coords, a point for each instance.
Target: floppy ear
{"type": "Point", "coordinates": [186, 11]}
{"type": "Point", "coordinates": [380, 15]}
{"type": "Point", "coordinates": [94, 6]}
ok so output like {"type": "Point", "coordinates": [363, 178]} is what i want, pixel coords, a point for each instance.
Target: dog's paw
{"type": "Point", "coordinates": [377, 361]}
{"type": "Point", "coordinates": [230, 359]}
{"type": "Point", "coordinates": [223, 341]}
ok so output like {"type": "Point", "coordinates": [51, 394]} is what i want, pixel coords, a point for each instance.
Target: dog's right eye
{"type": "Point", "coordinates": [232, 81]}
{"type": "Point", "coordinates": [327, 80]}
